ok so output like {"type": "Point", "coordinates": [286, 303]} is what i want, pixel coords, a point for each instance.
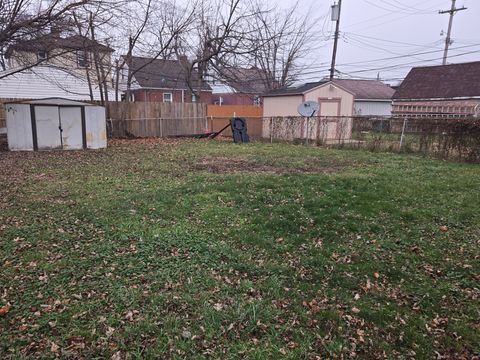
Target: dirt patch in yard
{"type": "Point", "coordinates": [224, 165]}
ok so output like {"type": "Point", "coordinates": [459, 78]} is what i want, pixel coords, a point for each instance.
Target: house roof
{"type": "Point", "coordinates": [246, 80]}
{"type": "Point", "coordinates": [441, 82]}
{"type": "Point", "coordinates": [54, 41]}
{"type": "Point", "coordinates": [362, 89]}
{"type": "Point", "coordinates": [46, 81]}
{"type": "Point", "coordinates": [163, 74]}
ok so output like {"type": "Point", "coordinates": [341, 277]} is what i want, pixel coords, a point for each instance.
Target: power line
{"type": "Point", "coordinates": [396, 66]}
{"type": "Point", "coordinates": [389, 41]}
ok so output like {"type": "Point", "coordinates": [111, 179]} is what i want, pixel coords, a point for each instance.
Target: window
{"type": "Point", "coordinates": [167, 97]}
{"type": "Point", "coordinates": [83, 59]}
{"type": "Point", "coordinates": [194, 98]}
{"type": "Point", "coordinates": [256, 100]}
{"type": "Point", "coordinates": [42, 55]}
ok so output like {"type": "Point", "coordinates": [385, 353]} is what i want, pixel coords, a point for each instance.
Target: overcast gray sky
{"type": "Point", "coordinates": [400, 32]}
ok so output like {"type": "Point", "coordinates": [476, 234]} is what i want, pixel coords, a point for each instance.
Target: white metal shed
{"type": "Point", "coordinates": [55, 123]}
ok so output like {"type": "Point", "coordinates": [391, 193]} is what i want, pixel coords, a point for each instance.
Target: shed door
{"type": "Point", "coordinates": [47, 123]}
{"type": "Point", "coordinates": [71, 122]}
{"type": "Point", "coordinates": [330, 108]}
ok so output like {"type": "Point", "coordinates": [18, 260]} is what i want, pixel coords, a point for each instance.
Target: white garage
{"type": "Point", "coordinates": [55, 123]}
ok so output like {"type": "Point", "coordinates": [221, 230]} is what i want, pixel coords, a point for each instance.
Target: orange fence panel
{"type": "Point", "coordinates": [234, 110]}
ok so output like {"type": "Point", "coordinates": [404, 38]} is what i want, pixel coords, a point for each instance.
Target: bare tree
{"type": "Point", "coordinates": [156, 30]}
{"type": "Point", "coordinates": [30, 19]}
{"type": "Point", "coordinates": [234, 35]}
{"type": "Point", "coordinates": [283, 39]}
{"type": "Point", "coordinates": [221, 31]}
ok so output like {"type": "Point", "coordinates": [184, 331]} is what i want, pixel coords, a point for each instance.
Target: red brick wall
{"type": "Point", "coordinates": [233, 99]}
{"type": "Point", "coordinates": [157, 96]}
{"type": "Point", "coordinates": [440, 108]}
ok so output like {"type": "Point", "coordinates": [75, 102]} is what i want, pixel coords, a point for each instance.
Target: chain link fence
{"type": "Point", "coordinates": [455, 138]}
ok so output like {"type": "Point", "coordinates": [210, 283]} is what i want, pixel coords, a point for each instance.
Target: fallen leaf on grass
{"type": "Point", "coordinates": [376, 275]}
{"type": "Point", "coordinates": [443, 228]}
{"type": "Point", "coordinates": [117, 356]}
{"type": "Point", "coordinates": [54, 347]}
{"type": "Point", "coordinates": [110, 331]}
{"type": "Point", "coordinates": [218, 306]}
{"type": "Point", "coordinates": [355, 310]}
{"type": "Point", "coordinates": [5, 309]}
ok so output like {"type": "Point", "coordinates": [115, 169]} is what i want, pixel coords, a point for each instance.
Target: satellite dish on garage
{"type": "Point", "coordinates": [308, 108]}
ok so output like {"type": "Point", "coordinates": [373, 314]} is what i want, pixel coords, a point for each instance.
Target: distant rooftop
{"type": "Point", "coordinates": [362, 89]}
{"type": "Point", "coordinates": [441, 82]}
{"type": "Point", "coordinates": [163, 74]}
{"type": "Point", "coordinates": [55, 41]}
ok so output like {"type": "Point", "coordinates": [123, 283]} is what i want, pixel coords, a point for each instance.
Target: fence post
{"type": "Point", "coordinates": [402, 137]}
{"type": "Point", "coordinates": [271, 130]}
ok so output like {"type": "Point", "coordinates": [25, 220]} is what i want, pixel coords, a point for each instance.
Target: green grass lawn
{"type": "Point", "coordinates": [197, 249]}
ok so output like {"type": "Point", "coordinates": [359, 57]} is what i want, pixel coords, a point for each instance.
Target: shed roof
{"type": "Point", "coordinates": [441, 82]}
{"type": "Point", "coordinates": [163, 74]}
{"type": "Point", "coordinates": [51, 101]}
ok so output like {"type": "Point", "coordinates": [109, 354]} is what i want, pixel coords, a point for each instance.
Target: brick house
{"type": "Point", "coordinates": [443, 91]}
{"type": "Point", "coordinates": [158, 80]}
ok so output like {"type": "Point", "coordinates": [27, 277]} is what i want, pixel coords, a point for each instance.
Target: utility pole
{"type": "Point", "coordinates": [448, 40]}
{"type": "Point", "coordinates": [335, 17]}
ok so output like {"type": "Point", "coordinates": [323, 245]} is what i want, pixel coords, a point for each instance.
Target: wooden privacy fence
{"type": "Point", "coordinates": [234, 110]}
{"type": "Point", "coordinates": [151, 119]}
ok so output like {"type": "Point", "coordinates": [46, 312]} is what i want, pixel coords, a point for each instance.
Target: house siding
{"type": "Point", "coordinates": [375, 108]}
{"type": "Point", "coordinates": [233, 99]}
{"type": "Point", "coordinates": [63, 59]}
{"type": "Point", "coordinates": [281, 105]}
{"type": "Point", "coordinates": [47, 81]}
{"type": "Point", "coordinates": [156, 95]}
